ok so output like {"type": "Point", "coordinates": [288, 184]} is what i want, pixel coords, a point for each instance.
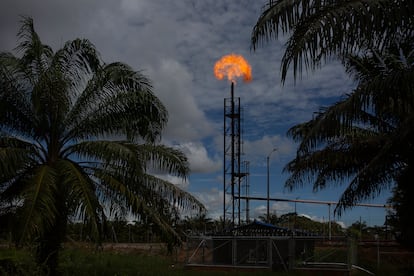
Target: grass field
{"type": "Point", "coordinates": [145, 260]}
{"type": "Point", "coordinates": [86, 261]}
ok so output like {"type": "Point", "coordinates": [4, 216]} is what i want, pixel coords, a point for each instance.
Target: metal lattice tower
{"type": "Point", "coordinates": [235, 172]}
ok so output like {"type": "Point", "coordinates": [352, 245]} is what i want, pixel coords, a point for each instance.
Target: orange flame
{"type": "Point", "coordinates": [233, 66]}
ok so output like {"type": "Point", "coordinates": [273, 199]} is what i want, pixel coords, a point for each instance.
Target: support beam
{"type": "Point", "coordinates": [315, 201]}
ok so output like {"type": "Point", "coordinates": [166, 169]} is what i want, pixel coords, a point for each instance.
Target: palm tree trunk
{"type": "Point", "coordinates": [405, 207]}
{"type": "Point", "coordinates": [47, 253]}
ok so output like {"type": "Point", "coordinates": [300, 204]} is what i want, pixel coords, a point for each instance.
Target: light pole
{"type": "Point", "coordinates": [296, 215]}
{"type": "Point", "coordinates": [268, 184]}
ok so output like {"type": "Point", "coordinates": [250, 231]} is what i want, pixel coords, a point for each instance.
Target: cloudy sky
{"type": "Point", "coordinates": [176, 43]}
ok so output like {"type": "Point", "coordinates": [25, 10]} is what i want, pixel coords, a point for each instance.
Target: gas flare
{"type": "Point", "coordinates": [233, 66]}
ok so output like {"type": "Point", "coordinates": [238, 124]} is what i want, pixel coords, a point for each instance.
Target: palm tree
{"type": "Point", "coordinates": [366, 139]}
{"type": "Point", "coordinates": [272, 219]}
{"type": "Point", "coordinates": [320, 29]}
{"type": "Point", "coordinates": [399, 217]}
{"type": "Point", "coordinates": [79, 137]}
{"type": "Point", "coordinates": [199, 223]}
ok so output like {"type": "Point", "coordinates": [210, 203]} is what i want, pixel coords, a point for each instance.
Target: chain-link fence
{"type": "Point", "coordinates": [283, 253]}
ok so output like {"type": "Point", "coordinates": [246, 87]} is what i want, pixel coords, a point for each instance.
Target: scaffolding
{"type": "Point", "coordinates": [235, 171]}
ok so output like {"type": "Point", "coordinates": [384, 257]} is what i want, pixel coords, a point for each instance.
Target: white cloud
{"type": "Point", "coordinates": [187, 122]}
{"type": "Point", "coordinates": [257, 150]}
{"type": "Point", "coordinates": [213, 201]}
{"type": "Point", "coordinates": [178, 181]}
{"type": "Point", "coordinates": [198, 158]}
{"type": "Point", "coordinates": [279, 208]}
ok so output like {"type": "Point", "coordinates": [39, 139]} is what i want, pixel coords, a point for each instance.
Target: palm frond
{"type": "Point", "coordinates": [15, 156]}
{"type": "Point", "coordinates": [16, 115]}
{"type": "Point", "coordinates": [77, 61]}
{"type": "Point", "coordinates": [345, 116]}
{"type": "Point", "coordinates": [165, 158]}
{"type": "Point", "coordinates": [82, 193]}
{"type": "Point", "coordinates": [122, 153]}
{"type": "Point", "coordinates": [149, 184]}
{"type": "Point", "coordinates": [36, 56]}
{"type": "Point", "coordinates": [377, 174]}
{"type": "Point", "coordinates": [144, 195]}
{"type": "Point", "coordinates": [323, 29]}
{"type": "Point", "coordinates": [336, 162]}
{"type": "Point", "coordinates": [118, 100]}
{"type": "Point", "coordinates": [39, 211]}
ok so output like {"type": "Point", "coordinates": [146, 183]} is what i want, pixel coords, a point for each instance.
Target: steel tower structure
{"type": "Point", "coordinates": [235, 172]}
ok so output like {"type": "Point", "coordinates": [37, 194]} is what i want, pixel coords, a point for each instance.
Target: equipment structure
{"type": "Point", "coordinates": [235, 171]}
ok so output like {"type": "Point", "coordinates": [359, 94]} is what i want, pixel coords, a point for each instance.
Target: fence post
{"type": "Point", "coordinates": [234, 251]}
{"type": "Point", "coordinates": [269, 253]}
{"type": "Point", "coordinates": [291, 244]}
{"type": "Point", "coordinates": [378, 250]}
{"type": "Point", "coordinates": [352, 252]}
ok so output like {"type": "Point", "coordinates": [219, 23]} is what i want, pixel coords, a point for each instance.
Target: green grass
{"type": "Point", "coordinates": [86, 261]}
{"type": "Point", "coordinates": [83, 261]}
{"type": "Point", "coordinates": [17, 262]}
